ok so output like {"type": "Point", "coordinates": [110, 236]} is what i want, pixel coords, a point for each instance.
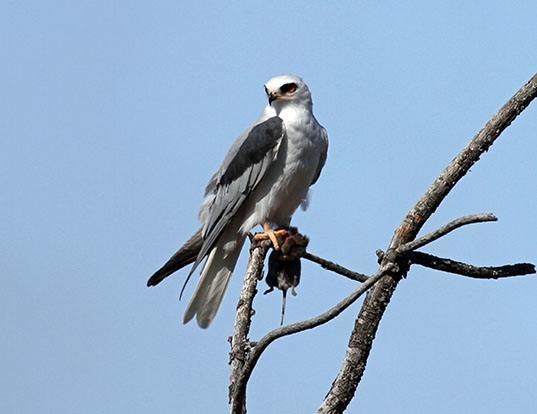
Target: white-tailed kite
{"type": "Point", "coordinates": [264, 178]}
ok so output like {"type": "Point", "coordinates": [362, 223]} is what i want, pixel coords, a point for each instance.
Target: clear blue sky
{"type": "Point", "coordinates": [114, 116]}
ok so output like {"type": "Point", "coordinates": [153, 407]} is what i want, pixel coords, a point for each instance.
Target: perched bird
{"type": "Point", "coordinates": [263, 179]}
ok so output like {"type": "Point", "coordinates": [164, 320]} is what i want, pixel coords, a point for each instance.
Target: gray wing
{"type": "Point", "coordinates": [322, 158]}
{"type": "Point", "coordinates": [241, 172]}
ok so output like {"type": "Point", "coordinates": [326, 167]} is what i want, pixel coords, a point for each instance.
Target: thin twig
{"type": "Point", "coordinates": [365, 327]}
{"type": "Point", "coordinates": [334, 267]}
{"type": "Point", "coordinates": [257, 350]}
{"type": "Point", "coordinates": [464, 269]}
{"type": "Point", "coordinates": [442, 231]}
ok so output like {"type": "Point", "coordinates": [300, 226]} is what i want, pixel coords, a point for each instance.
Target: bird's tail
{"type": "Point", "coordinates": [214, 280]}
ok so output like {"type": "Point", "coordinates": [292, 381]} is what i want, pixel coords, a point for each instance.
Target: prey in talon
{"type": "Point", "coordinates": [283, 275]}
{"type": "Point", "coordinates": [284, 266]}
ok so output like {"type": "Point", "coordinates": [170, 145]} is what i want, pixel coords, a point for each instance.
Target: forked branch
{"type": "Point", "coordinates": [361, 339]}
{"type": "Point", "coordinates": [259, 347]}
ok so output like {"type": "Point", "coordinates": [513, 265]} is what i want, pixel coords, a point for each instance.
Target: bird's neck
{"type": "Point", "coordinates": [294, 113]}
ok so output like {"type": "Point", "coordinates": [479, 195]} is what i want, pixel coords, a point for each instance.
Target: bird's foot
{"type": "Point", "coordinates": [273, 235]}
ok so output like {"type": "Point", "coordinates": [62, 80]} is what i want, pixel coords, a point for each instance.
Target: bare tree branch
{"type": "Point", "coordinates": [257, 350]}
{"type": "Point", "coordinates": [334, 267]}
{"type": "Point", "coordinates": [442, 231]}
{"type": "Point", "coordinates": [464, 269]}
{"type": "Point", "coordinates": [240, 343]}
{"type": "Point", "coordinates": [240, 360]}
{"type": "Point", "coordinates": [376, 302]}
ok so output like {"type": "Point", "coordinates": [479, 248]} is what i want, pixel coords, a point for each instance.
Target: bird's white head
{"type": "Point", "coordinates": [287, 90]}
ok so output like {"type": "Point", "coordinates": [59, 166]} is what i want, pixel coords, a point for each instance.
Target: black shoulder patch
{"type": "Point", "coordinates": [261, 139]}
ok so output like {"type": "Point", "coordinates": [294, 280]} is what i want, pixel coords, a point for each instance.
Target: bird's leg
{"type": "Point", "coordinates": [272, 235]}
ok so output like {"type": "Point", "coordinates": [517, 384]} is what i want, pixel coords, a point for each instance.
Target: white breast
{"type": "Point", "coordinates": [286, 183]}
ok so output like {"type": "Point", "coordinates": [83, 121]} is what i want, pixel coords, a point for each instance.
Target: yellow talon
{"type": "Point", "coordinates": [272, 235]}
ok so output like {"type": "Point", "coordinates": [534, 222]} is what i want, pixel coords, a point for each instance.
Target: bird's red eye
{"type": "Point", "coordinates": [288, 88]}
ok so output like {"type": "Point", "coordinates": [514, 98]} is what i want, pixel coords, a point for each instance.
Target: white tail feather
{"type": "Point", "coordinates": [213, 283]}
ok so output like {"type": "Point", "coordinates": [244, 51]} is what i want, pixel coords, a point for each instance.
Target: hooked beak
{"type": "Point", "coordinates": [272, 97]}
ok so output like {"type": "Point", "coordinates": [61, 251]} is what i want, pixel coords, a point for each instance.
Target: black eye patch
{"type": "Point", "coordinates": [288, 88]}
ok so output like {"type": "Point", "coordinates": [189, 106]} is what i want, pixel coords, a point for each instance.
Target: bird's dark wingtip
{"type": "Point", "coordinates": [183, 257]}
{"type": "Point", "coordinates": [155, 279]}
